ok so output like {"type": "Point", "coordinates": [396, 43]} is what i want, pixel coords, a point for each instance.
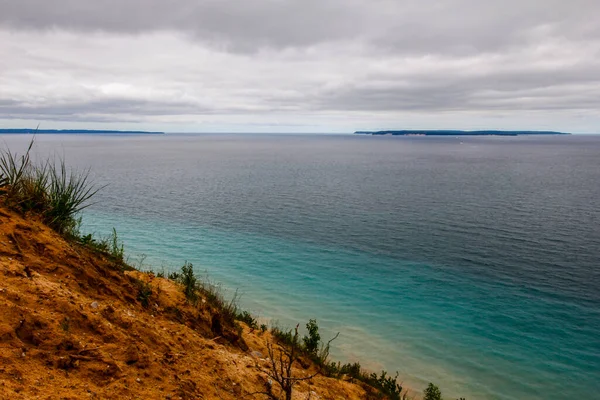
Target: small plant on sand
{"type": "Point", "coordinates": [115, 247]}
{"type": "Point", "coordinates": [144, 293]}
{"type": "Point", "coordinates": [213, 295]}
{"type": "Point", "coordinates": [248, 319]}
{"type": "Point", "coordinates": [189, 282]}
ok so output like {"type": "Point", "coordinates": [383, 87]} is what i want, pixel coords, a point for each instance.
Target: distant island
{"type": "Point", "coordinates": [457, 133]}
{"type": "Point", "coordinates": [76, 131]}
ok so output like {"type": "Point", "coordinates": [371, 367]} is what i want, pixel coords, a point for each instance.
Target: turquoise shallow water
{"type": "Point", "coordinates": [471, 265]}
{"type": "Point", "coordinates": [418, 319]}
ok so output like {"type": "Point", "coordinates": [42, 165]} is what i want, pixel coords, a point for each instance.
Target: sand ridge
{"type": "Point", "coordinates": [72, 327]}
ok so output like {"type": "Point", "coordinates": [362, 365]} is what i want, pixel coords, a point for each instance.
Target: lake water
{"type": "Point", "coordinates": [470, 262]}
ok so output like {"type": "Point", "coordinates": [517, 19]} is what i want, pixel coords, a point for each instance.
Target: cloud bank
{"type": "Point", "coordinates": [327, 65]}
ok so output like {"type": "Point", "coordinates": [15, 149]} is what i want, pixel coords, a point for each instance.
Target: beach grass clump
{"type": "Point", "coordinates": [110, 245]}
{"type": "Point", "coordinates": [283, 336]}
{"type": "Point", "coordinates": [48, 189]}
{"type": "Point", "coordinates": [247, 318]}
{"type": "Point", "coordinates": [68, 192]}
{"type": "Point", "coordinates": [386, 385]}
{"type": "Point", "coordinates": [211, 294]}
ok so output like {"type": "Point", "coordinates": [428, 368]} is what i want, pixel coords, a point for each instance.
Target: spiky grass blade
{"type": "Point", "coordinates": [69, 193]}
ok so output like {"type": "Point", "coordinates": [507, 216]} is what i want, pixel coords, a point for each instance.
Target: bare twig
{"type": "Point", "coordinates": [282, 361]}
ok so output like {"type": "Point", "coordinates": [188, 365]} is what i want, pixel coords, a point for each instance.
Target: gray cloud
{"type": "Point", "coordinates": [338, 62]}
{"type": "Point", "coordinates": [459, 25]}
{"type": "Point", "coordinates": [244, 25]}
{"type": "Point", "coordinates": [115, 107]}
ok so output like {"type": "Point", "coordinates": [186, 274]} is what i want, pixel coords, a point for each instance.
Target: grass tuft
{"type": "Point", "coordinates": [49, 189]}
{"type": "Point", "coordinates": [111, 245]}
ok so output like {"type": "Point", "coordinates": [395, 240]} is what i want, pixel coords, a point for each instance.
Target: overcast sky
{"type": "Point", "coordinates": [300, 66]}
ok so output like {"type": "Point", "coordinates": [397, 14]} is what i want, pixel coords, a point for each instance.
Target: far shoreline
{"type": "Point", "coordinates": [425, 132]}
{"type": "Point", "coordinates": [27, 131]}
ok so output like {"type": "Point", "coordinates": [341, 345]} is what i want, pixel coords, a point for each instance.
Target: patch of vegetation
{"type": "Point", "coordinates": [385, 384]}
{"type": "Point", "coordinates": [195, 288]}
{"type": "Point", "coordinates": [311, 346]}
{"type": "Point", "coordinates": [213, 295]}
{"type": "Point", "coordinates": [174, 276]}
{"type": "Point", "coordinates": [284, 337]}
{"type": "Point", "coordinates": [282, 361]}
{"type": "Point", "coordinates": [48, 189]}
{"type": "Point", "coordinates": [248, 319]}
{"type": "Point", "coordinates": [65, 324]}
{"type": "Point", "coordinates": [144, 293]}
{"type": "Point", "coordinates": [110, 245]}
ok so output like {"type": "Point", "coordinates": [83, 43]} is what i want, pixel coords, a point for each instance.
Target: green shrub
{"type": "Point", "coordinates": [189, 282]}
{"type": "Point", "coordinates": [432, 393]}
{"type": "Point", "coordinates": [353, 370]}
{"type": "Point", "coordinates": [387, 385]}
{"type": "Point", "coordinates": [312, 341]}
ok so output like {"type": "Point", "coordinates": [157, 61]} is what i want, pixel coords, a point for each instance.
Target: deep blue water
{"type": "Point", "coordinates": [471, 262]}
